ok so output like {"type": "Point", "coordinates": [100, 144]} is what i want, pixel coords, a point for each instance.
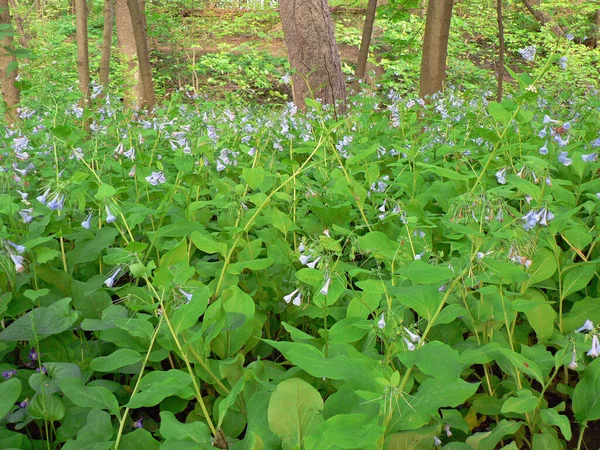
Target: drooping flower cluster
{"type": "Point", "coordinates": [533, 218]}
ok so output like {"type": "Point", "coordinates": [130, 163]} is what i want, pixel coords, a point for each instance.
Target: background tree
{"type": "Point", "coordinates": [8, 65]}
{"type": "Point", "coordinates": [138, 22]}
{"type": "Point", "coordinates": [83, 60]}
{"type": "Point", "coordinates": [543, 18]}
{"type": "Point", "coordinates": [435, 46]}
{"type": "Point", "coordinates": [134, 96]}
{"type": "Point", "coordinates": [363, 53]}
{"type": "Point", "coordinates": [312, 52]}
{"type": "Point", "coordinates": [109, 17]}
{"type": "Point", "coordinates": [500, 75]}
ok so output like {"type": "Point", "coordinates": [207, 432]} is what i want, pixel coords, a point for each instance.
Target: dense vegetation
{"type": "Point", "coordinates": [231, 272]}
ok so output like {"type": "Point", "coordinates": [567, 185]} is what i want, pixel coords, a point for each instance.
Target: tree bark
{"type": "Point", "coordinates": [109, 16]}
{"type": "Point", "coordinates": [134, 96]}
{"type": "Point", "coordinates": [19, 23]}
{"type": "Point", "coordinates": [435, 46]}
{"type": "Point", "coordinates": [596, 37]}
{"type": "Point", "coordinates": [83, 60]}
{"type": "Point", "coordinates": [500, 51]}
{"type": "Point", "coordinates": [8, 68]}
{"type": "Point", "coordinates": [543, 18]}
{"type": "Point", "coordinates": [313, 53]}
{"type": "Point", "coordinates": [141, 44]}
{"type": "Point", "coordinates": [363, 53]}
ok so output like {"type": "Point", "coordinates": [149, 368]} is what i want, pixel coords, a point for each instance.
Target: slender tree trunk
{"type": "Point", "coordinates": [435, 46]}
{"type": "Point", "coordinates": [141, 43]}
{"type": "Point", "coordinates": [109, 16]}
{"type": "Point", "coordinates": [134, 95]}
{"type": "Point", "coordinates": [596, 37]}
{"type": "Point", "coordinates": [19, 23]}
{"type": "Point", "coordinates": [8, 67]}
{"type": "Point", "coordinates": [83, 60]}
{"type": "Point", "coordinates": [500, 51]}
{"type": "Point", "coordinates": [313, 52]}
{"type": "Point", "coordinates": [363, 54]}
{"type": "Point", "coordinates": [543, 18]}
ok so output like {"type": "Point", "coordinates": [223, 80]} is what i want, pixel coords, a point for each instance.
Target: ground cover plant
{"type": "Point", "coordinates": [411, 275]}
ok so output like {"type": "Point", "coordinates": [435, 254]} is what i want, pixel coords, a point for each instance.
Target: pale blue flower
{"type": "Point", "coordinates": [564, 159]}
{"type": "Point", "coordinates": [325, 289]}
{"type": "Point", "coordinates": [57, 203]}
{"type": "Point", "coordinates": [26, 215]}
{"type": "Point", "coordinates": [288, 298]}
{"type": "Point", "coordinates": [592, 157]}
{"type": "Point", "coordinates": [563, 63]}
{"type": "Point", "coordinates": [528, 53]}
{"type": "Point", "coordinates": [381, 322]}
{"type": "Point", "coordinates": [588, 325]}
{"type": "Point", "coordinates": [187, 295]}
{"type": "Point", "coordinates": [156, 178]}
{"type": "Point", "coordinates": [544, 149]}
{"type": "Point", "coordinates": [44, 197]}
{"type": "Point", "coordinates": [87, 222]}
{"type": "Point", "coordinates": [20, 249]}
{"type": "Point", "coordinates": [542, 134]}
{"type": "Point", "coordinates": [110, 218]}
{"type": "Point", "coordinates": [595, 350]}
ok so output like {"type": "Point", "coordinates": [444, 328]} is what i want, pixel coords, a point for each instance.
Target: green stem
{"type": "Point", "coordinates": [137, 384]}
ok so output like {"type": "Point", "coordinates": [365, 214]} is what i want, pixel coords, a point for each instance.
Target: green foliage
{"type": "Point", "coordinates": [408, 274]}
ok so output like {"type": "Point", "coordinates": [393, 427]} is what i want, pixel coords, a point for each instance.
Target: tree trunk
{"type": "Point", "coordinates": [19, 24]}
{"type": "Point", "coordinates": [83, 60]}
{"type": "Point", "coordinates": [8, 67]}
{"type": "Point", "coordinates": [435, 46]}
{"type": "Point", "coordinates": [134, 96]}
{"type": "Point", "coordinates": [500, 51]}
{"type": "Point", "coordinates": [313, 52]}
{"type": "Point", "coordinates": [141, 44]}
{"type": "Point", "coordinates": [363, 53]}
{"type": "Point", "coordinates": [543, 18]}
{"type": "Point", "coordinates": [109, 17]}
{"type": "Point", "coordinates": [596, 37]}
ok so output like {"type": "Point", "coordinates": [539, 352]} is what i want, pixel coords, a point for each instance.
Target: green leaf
{"type": "Point", "coordinates": [105, 191]}
{"type": "Point", "coordinates": [41, 322]}
{"type": "Point", "coordinates": [498, 112]}
{"type": "Point", "coordinates": [254, 176]}
{"type": "Point", "coordinates": [379, 245]}
{"type": "Point", "coordinates": [523, 403]}
{"type": "Point", "coordinates": [188, 314]}
{"type": "Point", "coordinates": [442, 171]}
{"type": "Point", "coordinates": [542, 268]}
{"type": "Point", "coordinates": [90, 250]}
{"type": "Point", "coordinates": [418, 409]}
{"type": "Point", "coordinates": [281, 221]}
{"type": "Point", "coordinates": [553, 418]}
{"type": "Point", "coordinates": [229, 401]}
{"type": "Point", "coordinates": [312, 277]}
{"type": "Point", "coordinates": [120, 358]}
{"type": "Point", "coordinates": [577, 278]}
{"type": "Point", "coordinates": [173, 430]}
{"type": "Point", "coordinates": [139, 439]}
{"type": "Point", "coordinates": [490, 439]}
{"type": "Point", "coordinates": [156, 386]}
{"type": "Point", "coordinates": [47, 407]}
{"type": "Point", "coordinates": [433, 355]}
{"type": "Point", "coordinates": [586, 397]}
{"type": "Point", "coordinates": [420, 272]}
{"type": "Point", "coordinates": [294, 410]}
{"type": "Point", "coordinates": [89, 397]}
{"type": "Point", "coordinates": [10, 390]}
{"type": "Point", "coordinates": [207, 244]}
{"type": "Point", "coordinates": [424, 299]}
{"type": "Point", "coordinates": [351, 431]}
